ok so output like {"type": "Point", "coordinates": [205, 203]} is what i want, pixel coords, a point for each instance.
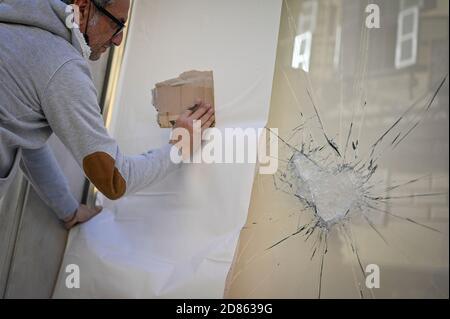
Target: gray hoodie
{"type": "Point", "coordinates": [46, 87]}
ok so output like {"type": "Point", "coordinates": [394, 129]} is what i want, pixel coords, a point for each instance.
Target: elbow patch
{"type": "Point", "coordinates": [100, 168]}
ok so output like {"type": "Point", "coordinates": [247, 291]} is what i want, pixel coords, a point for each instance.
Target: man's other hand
{"type": "Point", "coordinates": [83, 214]}
{"type": "Point", "coordinates": [201, 112]}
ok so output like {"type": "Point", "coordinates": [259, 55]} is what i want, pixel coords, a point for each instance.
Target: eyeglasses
{"type": "Point", "coordinates": [119, 23]}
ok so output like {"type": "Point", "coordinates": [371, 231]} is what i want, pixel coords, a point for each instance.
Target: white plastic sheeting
{"type": "Point", "coordinates": [177, 238]}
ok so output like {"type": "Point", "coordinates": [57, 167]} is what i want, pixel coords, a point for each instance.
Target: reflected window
{"type": "Point", "coordinates": [406, 47]}
{"type": "Point", "coordinates": [302, 51]}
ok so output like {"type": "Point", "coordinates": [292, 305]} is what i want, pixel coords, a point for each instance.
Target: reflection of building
{"type": "Point", "coordinates": [305, 27]}
{"type": "Point", "coordinates": [353, 68]}
{"type": "Point", "coordinates": [370, 76]}
{"type": "Point", "coordinates": [389, 48]}
{"type": "Point", "coordinates": [390, 68]}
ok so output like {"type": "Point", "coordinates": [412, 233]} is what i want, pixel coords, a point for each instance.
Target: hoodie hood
{"type": "Point", "coordinates": [48, 15]}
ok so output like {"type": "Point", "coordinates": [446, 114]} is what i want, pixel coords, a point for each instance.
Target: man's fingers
{"type": "Point", "coordinates": [199, 112]}
{"type": "Point", "coordinates": [91, 213]}
{"type": "Point", "coordinates": [82, 215]}
{"type": "Point", "coordinates": [186, 114]}
{"type": "Point", "coordinates": [209, 122]}
{"type": "Point", "coordinates": [70, 224]}
{"type": "Point", "coordinates": [207, 116]}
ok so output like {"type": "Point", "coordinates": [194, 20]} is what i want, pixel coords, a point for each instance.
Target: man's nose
{"type": "Point", "coordinates": [117, 40]}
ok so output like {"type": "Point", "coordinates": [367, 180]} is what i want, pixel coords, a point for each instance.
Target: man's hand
{"type": "Point", "coordinates": [82, 215]}
{"type": "Point", "coordinates": [202, 112]}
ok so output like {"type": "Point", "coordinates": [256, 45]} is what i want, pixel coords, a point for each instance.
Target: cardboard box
{"type": "Point", "coordinates": [173, 97]}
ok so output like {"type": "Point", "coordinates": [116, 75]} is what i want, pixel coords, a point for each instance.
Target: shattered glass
{"type": "Point", "coordinates": [362, 118]}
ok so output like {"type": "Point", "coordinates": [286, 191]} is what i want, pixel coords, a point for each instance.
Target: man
{"type": "Point", "coordinates": [46, 87]}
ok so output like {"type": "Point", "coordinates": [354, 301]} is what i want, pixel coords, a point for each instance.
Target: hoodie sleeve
{"type": "Point", "coordinates": [70, 106]}
{"type": "Point", "coordinates": [44, 173]}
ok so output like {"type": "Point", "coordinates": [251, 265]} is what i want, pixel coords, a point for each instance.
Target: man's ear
{"type": "Point", "coordinates": [84, 7]}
